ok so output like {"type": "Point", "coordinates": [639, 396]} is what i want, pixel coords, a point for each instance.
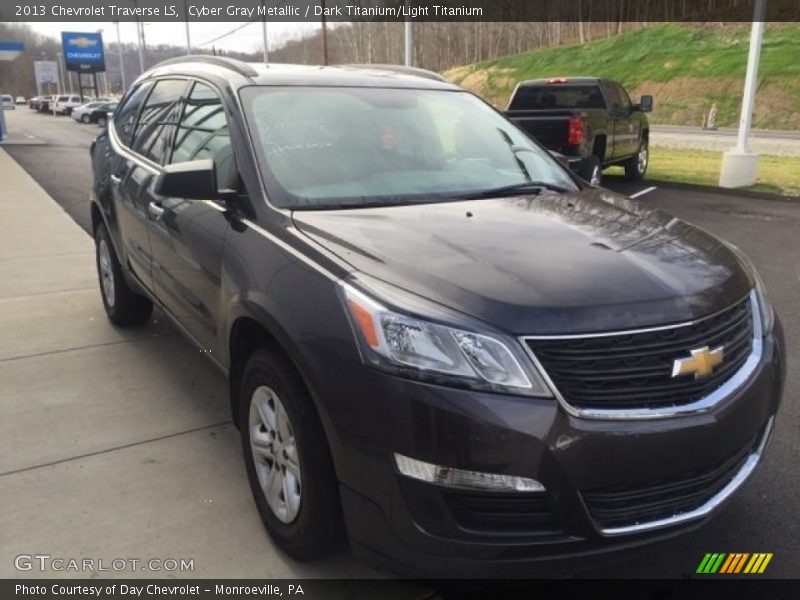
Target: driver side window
{"type": "Point", "coordinates": [203, 133]}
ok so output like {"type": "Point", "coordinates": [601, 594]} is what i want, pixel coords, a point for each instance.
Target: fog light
{"type": "Point", "coordinates": [458, 478]}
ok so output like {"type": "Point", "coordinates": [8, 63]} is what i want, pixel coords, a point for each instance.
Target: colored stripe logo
{"type": "Point", "coordinates": [734, 563]}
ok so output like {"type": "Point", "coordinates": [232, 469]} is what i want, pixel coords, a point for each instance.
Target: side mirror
{"type": "Point", "coordinates": [195, 180]}
{"type": "Point", "coordinates": [646, 103]}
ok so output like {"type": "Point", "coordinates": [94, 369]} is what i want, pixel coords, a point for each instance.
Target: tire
{"type": "Point", "coordinates": [84, 118]}
{"type": "Point", "coordinates": [124, 307]}
{"type": "Point", "coordinates": [101, 122]}
{"type": "Point", "coordinates": [303, 514]}
{"type": "Point", "coordinates": [636, 165]}
{"type": "Point", "coordinates": [592, 170]}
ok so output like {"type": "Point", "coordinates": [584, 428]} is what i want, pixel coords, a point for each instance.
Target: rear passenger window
{"type": "Point", "coordinates": [203, 133]}
{"type": "Point", "coordinates": [125, 115]}
{"type": "Point", "coordinates": [158, 119]}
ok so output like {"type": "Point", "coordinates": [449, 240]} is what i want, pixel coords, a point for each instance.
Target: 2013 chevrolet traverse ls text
{"type": "Point", "coordinates": [441, 345]}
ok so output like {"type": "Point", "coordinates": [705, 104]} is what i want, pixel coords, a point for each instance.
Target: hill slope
{"type": "Point", "coordinates": [686, 68]}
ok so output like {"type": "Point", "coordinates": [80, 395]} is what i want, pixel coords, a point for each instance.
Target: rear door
{"type": "Point", "coordinates": [626, 127]}
{"type": "Point", "coordinates": [129, 176]}
{"type": "Point", "coordinates": [188, 236]}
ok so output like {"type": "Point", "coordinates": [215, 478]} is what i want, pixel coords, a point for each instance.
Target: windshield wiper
{"type": "Point", "coordinates": [526, 186]}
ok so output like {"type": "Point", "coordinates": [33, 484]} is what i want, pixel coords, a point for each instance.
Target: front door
{"type": "Point", "coordinates": [188, 236]}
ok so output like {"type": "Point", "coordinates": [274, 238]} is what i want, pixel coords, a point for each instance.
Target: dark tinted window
{"type": "Point", "coordinates": [203, 133]}
{"type": "Point", "coordinates": [125, 117]}
{"type": "Point", "coordinates": [624, 99]}
{"type": "Point", "coordinates": [556, 96]}
{"type": "Point", "coordinates": [158, 119]}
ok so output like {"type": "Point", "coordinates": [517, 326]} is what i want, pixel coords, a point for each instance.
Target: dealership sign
{"type": "Point", "coordinates": [83, 52]}
{"type": "Point", "coordinates": [11, 50]}
{"type": "Point", "coordinates": [46, 71]}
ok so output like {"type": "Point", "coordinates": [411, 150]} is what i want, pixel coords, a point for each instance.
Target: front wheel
{"type": "Point", "coordinates": [636, 165]}
{"type": "Point", "coordinates": [124, 307]}
{"type": "Point", "coordinates": [84, 118]}
{"type": "Point", "coordinates": [287, 458]}
{"type": "Point", "coordinates": [101, 122]}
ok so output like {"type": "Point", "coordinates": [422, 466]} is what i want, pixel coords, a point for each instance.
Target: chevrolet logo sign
{"type": "Point", "coordinates": [701, 362]}
{"type": "Point", "coordinates": [82, 42]}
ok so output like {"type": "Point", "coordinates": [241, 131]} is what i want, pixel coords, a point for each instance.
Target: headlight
{"type": "Point", "coordinates": [764, 307]}
{"type": "Point", "coordinates": [420, 348]}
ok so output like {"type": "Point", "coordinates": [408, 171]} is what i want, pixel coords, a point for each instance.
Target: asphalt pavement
{"type": "Point", "coordinates": [762, 517]}
{"type": "Point", "coordinates": [765, 141]}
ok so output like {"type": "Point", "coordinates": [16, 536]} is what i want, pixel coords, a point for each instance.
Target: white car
{"type": "Point", "coordinates": [7, 101]}
{"type": "Point", "coordinates": [21, 100]}
{"type": "Point", "coordinates": [83, 112]}
{"type": "Point", "coordinates": [63, 105]}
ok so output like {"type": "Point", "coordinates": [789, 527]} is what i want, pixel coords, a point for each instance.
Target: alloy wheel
{"type": "Point", "coordinates": [106, 272]}
{"type": "Point", "coordinates": [275, 455]}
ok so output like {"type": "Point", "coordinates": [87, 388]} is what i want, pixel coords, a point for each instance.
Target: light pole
{"type": "Point", "coordinates": [739, 164]}
{"type": "Point", "coordinates": [264, 35]}
{"type": "Point", "coordinates": [140, 35]}
{"type": "Point", "coordinates": [121, 60]}
{"type": "Point", "coordinates": [60, 73]}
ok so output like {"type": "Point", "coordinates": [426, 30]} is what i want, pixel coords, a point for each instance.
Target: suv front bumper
{"type": "Point", "coordinates": [597, 473]}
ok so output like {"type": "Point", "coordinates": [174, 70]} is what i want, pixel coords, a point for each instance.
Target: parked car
{"type": "Point", "coordinates": [21, 100]}
{"type": "Point", "coordinates": [32, 102]}
{"type": "Point", "coordinates": [100, 114]}
{"type": "Point", "coordinates": [591, 122]}
{"type": "Point", "coordinates": [44, 102]}
{"type": "Point", "coordinates": [7, 102]}
{"type": "Point", "coordinates": [83, 112]}
{"type": "Point", "coordinates": [64, 104]}
{"type": "Point", "coordinates": [440, 342]}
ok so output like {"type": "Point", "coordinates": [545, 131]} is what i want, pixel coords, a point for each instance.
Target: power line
{"type": "Point", "coordinates": [224, 35]}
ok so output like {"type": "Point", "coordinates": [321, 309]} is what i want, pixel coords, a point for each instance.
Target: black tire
{"type": "Point", "coordinates": [84, 118]}
{"type": "Point", "coordinates": [636, 165]}
{"type": "Point", "coordinates": [124, 307]}
{"type": "Point", "coordinates": [317, 528]}
{"type": "Point", "coordinates": [592, 170]}
{"type": "Point", "coordinates": [101, 122]}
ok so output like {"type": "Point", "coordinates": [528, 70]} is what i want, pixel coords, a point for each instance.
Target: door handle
{"type": "Point", "coordinates": [115, 179]}
{"type": "Point", "coordinates": [156, 211]}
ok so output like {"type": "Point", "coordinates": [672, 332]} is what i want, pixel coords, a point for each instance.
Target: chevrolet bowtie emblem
{"type": "Point", "coordinates": [701, 362]}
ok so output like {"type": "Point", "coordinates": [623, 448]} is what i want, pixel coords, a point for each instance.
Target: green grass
{"type": "Point", "coordinates": [686, 67]}
{"type": "Point", "coordinates": [776, 174]}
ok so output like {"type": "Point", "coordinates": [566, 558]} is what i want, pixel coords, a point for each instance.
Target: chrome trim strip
{"type": "Point", "coordinates": [701, 405]}
{"type": "Point", "coordinates": [580, 336]}
{"type": "Point", "coordinates": [711, 504]}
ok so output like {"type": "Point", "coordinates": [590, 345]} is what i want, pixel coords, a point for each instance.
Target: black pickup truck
{"type": "Point", "coordinates": [590, 121]}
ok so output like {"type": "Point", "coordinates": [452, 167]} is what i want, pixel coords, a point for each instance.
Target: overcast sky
{"type": "Point", "coordinates": [247, 39]}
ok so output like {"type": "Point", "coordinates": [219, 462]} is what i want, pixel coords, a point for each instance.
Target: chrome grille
{"type": "Point", "coordinates": [634, 370]}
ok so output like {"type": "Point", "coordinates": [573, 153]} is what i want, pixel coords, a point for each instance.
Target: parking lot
{"type": "Point", "coordinates": [119, 444]}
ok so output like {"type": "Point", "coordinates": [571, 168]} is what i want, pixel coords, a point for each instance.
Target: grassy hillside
{"type": "Point", "coordinates": [686, 68]}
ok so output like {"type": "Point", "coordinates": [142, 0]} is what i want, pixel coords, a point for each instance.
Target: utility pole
{"type": "Point", "coordinates": [188, 38]}
{"type": "Point", "coordinates": [739, 164]}
{"type": "Point", "coordinates": [409, 41]}
{"type": "Point", "coordinates": [140, 35]}
{"type": "Point", "coordinates": [324, 37]}
{"type": "Point", "coordinates": [121, 59]}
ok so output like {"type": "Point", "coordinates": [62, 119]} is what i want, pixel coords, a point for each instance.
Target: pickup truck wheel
{"type": "Point", "coordinates": [592, 170]}
{"type": "Point", "coordinates": [124, 307]}
{"type": "Point", "coordinates": [287, 458]}
{"type": "Point", "coordinates": [636, 165]}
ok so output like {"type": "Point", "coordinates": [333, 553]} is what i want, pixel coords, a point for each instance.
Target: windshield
{"type": "Point", "coordinates": [342, 147]}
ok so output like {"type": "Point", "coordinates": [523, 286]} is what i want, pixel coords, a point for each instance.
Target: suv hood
{"type": "Point", "coordinates": [553, 263]}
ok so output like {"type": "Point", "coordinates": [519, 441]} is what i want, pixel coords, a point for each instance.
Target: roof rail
{"type": "Point", "coordinates": [239, 66]}
{"type": "Point", "coordinates": [402, 69]}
